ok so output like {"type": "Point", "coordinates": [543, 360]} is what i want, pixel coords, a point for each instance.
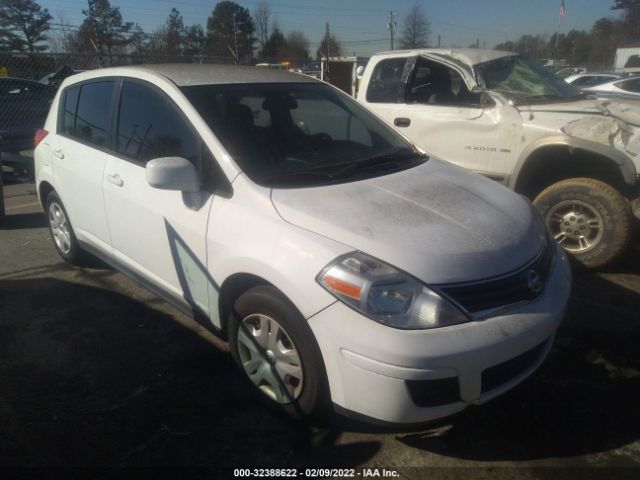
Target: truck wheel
{"type": "Point", "coordinates": [590, 219]}
{"type": "Point", "coordinates": [64, 238]}
{"type": "Point", "coordinates": [274, 346]}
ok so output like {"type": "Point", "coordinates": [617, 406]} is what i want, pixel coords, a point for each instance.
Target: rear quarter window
{"type": "Point", "coordinates": [69, 107]}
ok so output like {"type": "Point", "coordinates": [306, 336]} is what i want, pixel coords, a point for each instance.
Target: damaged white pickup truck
{"type": "Point", "coordinates": [505, 116]}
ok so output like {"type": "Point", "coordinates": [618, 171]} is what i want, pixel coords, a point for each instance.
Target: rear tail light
{"type": "Point", "coordinates": [39, 136]}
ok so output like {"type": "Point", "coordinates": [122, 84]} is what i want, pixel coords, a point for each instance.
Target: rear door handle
{"type": "Point", "coordinates": [115, 179]}
{"type": "Point", "coordinates": [58, 153]}
{"type": "Point", "coordinates": [401, 122]}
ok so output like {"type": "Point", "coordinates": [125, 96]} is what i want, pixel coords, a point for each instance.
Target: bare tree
{"type": "Point", "coordinates": [335, 48]}
{"type": "Point", "coordinates": [297, 47]}
{"type": "Point", "coordinates": [174, 31]}
{"type": "Point", "coordinates": [59, 36]}
{"type": "Point", "coordinates": [417, 29]}
{"type": "Point", "coordinates": [261, 18]}
{"type": "Point", "coordinates": [194, 40]}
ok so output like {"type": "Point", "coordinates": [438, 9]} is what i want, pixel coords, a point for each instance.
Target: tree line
{"type": "Point", "coordinates": [230, 32]}
{"type": "Point", "coordinates": [592, 48]}
{"type": "Point", "coordinates": [233, 32]}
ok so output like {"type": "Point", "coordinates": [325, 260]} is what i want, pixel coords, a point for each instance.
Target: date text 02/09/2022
{"type": "Point", "coordinates": [315, 473]}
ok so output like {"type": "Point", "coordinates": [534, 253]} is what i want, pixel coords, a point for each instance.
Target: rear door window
{"type": "Point", "coordinates": [92, 117]}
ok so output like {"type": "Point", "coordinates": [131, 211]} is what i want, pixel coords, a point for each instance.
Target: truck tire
{"type": "Point", "coordinates": [590, 219]}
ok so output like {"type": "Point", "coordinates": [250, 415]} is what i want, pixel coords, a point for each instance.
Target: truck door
{"type": "Point", "coordinates": [430, 102]}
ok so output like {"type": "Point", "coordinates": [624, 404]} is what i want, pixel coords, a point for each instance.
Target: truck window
{"type": "Point", "coordinates": [435, 84]}
{"type": "Point", "coordinates": [386, 84]}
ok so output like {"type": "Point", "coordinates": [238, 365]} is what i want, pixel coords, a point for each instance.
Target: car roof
{"type": "Point", "coordinates": [468, 56]}
{"type": "Point", "coordinates": [614, 82]}
{"type": "Point", "coordinates": [596, 75]}
{"type": "Point", "coordinates": [202, 74]}
{"type": "Point", "coordinates": [582, 75]}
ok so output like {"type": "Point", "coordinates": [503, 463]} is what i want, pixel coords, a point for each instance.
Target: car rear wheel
{"type": "Point", "coordinates": [274, 346]}
{"type": "Point", "coordinates": [64, 238]}
{"type": "Point", "coordinates": [590, 219]}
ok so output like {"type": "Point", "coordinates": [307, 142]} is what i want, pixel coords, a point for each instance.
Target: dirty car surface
{"type": "Point", "coordinates": [283, 215]}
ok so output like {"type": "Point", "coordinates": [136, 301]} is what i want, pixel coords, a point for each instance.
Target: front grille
{"type": "Point", "coordinates": [433, 393]}
{"type": "Point", "coordinates": [500, 374]}
{"type": "Point", "coordinates": [502, 291]}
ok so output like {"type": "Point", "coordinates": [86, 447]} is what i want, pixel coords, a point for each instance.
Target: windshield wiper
{"type": "Point", "coordinates": [292, 175]}
{"type": "Point", "coordinates": [342, 170]}
{"type": "Point", "coordinates": [379, 160]}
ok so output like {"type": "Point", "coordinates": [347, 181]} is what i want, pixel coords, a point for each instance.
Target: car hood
{"type": "Point", "coordinates": [587, 106]}
{"type": "Point", "coordinates": [438, 222]}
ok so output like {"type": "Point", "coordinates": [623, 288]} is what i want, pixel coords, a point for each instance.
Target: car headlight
{"type": "Point", "coordinates": [387, 295]}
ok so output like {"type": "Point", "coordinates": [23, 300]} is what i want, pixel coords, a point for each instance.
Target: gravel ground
{"type": "Point", "coordinates": [97, 372]}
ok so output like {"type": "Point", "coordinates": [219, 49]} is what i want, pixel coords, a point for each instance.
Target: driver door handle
{"type": "Point", "coordinates": [115, 179]}
{"type": "Point", "coordinates": [401, 122]}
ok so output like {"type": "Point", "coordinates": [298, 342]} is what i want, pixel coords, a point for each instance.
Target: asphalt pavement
{"type": "Point", "coordinates": [97, 372]}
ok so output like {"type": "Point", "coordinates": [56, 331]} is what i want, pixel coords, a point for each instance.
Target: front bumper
{"type": "Point", "coordinates": [386, 374]}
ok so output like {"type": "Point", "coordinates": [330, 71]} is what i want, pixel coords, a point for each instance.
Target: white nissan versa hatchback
{"type": "Point", "coordinates": [347, 268]}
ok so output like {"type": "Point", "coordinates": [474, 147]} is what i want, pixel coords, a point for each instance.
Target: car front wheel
{"type": "Point", "coordinates": [274, 346]}
{"type": "Point", "coordinates": [590, 219]}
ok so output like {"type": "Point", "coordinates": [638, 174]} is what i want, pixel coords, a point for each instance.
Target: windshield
{"type": "Point", "coordinates": [524, 81]}
{"type": "Point", "coordinates": [299, 134]}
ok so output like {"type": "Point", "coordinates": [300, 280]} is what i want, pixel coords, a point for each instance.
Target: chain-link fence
{"type": "Point", "coordinates": [29, 81]}
{"type": "Point", "coordinates": [36, 66]}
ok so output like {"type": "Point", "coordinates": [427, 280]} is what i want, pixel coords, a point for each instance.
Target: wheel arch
{"type": "Point", "coordinates": [232, 287]}
{"type": "Point", "coordinates": [44, 189]}
{"type": "Point", "coordinates": [553, 159]}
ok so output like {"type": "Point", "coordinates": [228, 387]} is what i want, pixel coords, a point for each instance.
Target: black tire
{"type": "Point", "coordinates": [598, 200]}
{"type": "Point", "coordinates": [313, 399]}
{"type": "Point", "coordinates": [74, 255]}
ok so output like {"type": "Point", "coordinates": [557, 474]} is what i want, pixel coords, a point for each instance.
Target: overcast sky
{"type": "Point", "coordinates": [361, 25]}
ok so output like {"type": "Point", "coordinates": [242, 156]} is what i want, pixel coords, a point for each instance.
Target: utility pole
{"type": "Point", "coordinates": [235, 38]}
{"type": "Point", "coordinates": [439, 40]}
{"type": "Point", "coordinates": [391, 24]}
{"type": "Point", "coordinates": [328, 52]}
{"type": "Point", "coordinates": [95, 31]}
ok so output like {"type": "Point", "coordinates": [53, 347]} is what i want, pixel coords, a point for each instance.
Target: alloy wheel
{"type": "Point", "coordinates": [575, 225]}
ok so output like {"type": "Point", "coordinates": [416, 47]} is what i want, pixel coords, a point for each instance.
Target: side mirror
{"type": "Point", "coordinates": [359, 71]}
{"type": "Point", "coordinates": [486, 101]}
{"type": "Point", "coordinates": [172, 173]}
